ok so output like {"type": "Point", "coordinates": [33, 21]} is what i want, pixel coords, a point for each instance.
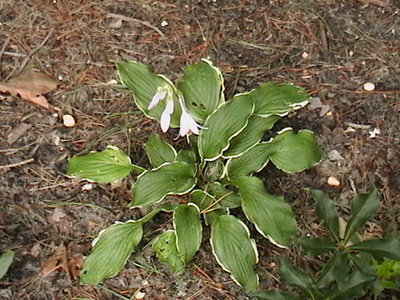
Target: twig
{"type": "Point", "coordinates": [30, 54]}
{"type": "Point", "coordinates": [129, 19]}
{"type": "Point", "coordinates": [4, 46]}
{"type": "Point", "coordinates": [18, 164]}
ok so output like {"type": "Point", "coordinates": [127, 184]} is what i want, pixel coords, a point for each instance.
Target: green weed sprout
{"type": "Point", "coordinates": [199, 185]}
{"type": "Point", "coordinates": [351, 271]}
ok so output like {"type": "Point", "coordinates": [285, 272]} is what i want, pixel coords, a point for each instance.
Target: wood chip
{"type": "Point", "coordinates": [18, 132]}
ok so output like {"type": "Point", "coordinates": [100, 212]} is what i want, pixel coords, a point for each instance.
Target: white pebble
{"type": "Point", "coordinates": [369, 86]}
{"type": "Point", "coordinates": [164, 23]}
{"type": "Point", "coordinates": [139, 295]}
{"type": "Point", "coordinates": [68, 121]}
{"type": "Point", "coordinates": [333, 181]}
{"type": "Point", "coordinates": [305, 55]}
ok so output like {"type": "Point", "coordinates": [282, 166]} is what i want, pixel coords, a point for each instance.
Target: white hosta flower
{"type": "Point", "coordinates": [165, 119]}
{"type": "Point", "coordinates": [160, 95]}
{"type": "Point", "coordinates": [187, 123]}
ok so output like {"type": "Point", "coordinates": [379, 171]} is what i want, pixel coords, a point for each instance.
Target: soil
{"type": "Point", "coordinates": [329, 47]}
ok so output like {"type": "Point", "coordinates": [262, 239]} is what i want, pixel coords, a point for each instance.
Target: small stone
{"type": "Point", "coordinates": [164, 23]}
{"type": "Point", "coordinates": [333, 181]}
{"type": "Point", "coordinates": [87, 187]}
{"type": "Point", "coordinates": [334, 155]}
{"type": "Point", "coordinates": [112, 82]}
{"type": "Point", "coordinates": [139, 295]}
{"type": "Point", "coordinates": [68, 121]}
{"type": "Point", "coordinates": [305, 55]}
{"type": "Point", "coordinates": [374, 133]}
{"type": "Point", "coordinates": [369, 86]}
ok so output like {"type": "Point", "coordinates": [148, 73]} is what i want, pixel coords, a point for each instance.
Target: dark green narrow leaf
{"type": "Point", "coordinates": [167, 252]}
{"type": "Point", "coordinates": [235, 251]}
{"type": "Point", "coordinates": [271, 214]}
{"type": "Point", "coordinates": [159, 151]}
{"type": "Point", "coordinates": [316, 246]}
{"type": "Point", "coordinates": [106, 166]}
{"type": "Point", "coordinates": [274, 295]}
{"type": "Point", "coordinates": [355, 286]}
{"type": "Point", "coordinates": [363, 208]}
{"type": "Point", "coordinates": [336, 270]}
{"type": "Point", "coordinates": [110, 252]}
{"type": "Point", "coordinates": [202, 88]}
{"type": "Point", "coordinates": [295, 277]}
{"type": "Point", "coordinates": [6, 260]}
{"type": "Point", "coordinates": [326, 211]}
{"type": "Point", "coordinates": [389, 248]}
{"type": "Point", "coordinates": [188, 230]}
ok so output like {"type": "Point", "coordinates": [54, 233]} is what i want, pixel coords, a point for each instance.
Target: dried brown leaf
{"type": "Point", "coordinates": [30, 86]}
{"type": "Point", "coordinates": [376, 2]}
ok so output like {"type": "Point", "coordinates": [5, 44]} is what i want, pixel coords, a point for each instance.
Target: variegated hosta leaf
{"type": "Point", "coordinates": [202, 88]}
{"type": "Point", "coordinates": [144, 84]}
{"type": "Point", "coordinates": [170, 179]}
{"type": "Point", "coordinates": [250, 136]}
{"type": "Point", "coordinates": [159, 151]}
{"type": "Point", "coordinates": [188, 230]}
{"type": "Point", "coordinates": [224, 197]}
{"type": "Point", "coordinates": [235, 251]}
{"type": "Point", "coordinates": [106, 166]}
{"type": "Point", "coordinates": [251, 161]}
{"type": "Point", "coordinates": [271, 214]}
{"type": "Point", "coordinates": [202, 199]}
{"type": "Point", "coordinates": [167, 252]}
{"type": "Point", "coordinates": [222, 125]}
{"type": "Point", "coordinates": [188, 157]}
{"type": "Point", "coordinates": [110, 252]}
{"type": "Point", "coordinates": [272, 99]}
{"type": "Point", "coordinates": [295, 152]}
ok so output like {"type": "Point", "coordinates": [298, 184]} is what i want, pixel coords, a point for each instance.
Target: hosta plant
{"type": "Point", "coordinates": [202, 183]}
{"type": "Point", "coordinates": [352, 269]}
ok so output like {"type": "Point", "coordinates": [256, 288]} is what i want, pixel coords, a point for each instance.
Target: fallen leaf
{"type": "Point", "coordinates": [63, 259]}
{"type": "Point", "coordinates": [376, 2]}
{"type": "Point", "coordinates": [30, 86]}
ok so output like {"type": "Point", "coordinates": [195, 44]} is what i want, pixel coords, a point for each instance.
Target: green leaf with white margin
{"type": "Point", "coordinates": [363, 208]}
{"type": "Point", "coordinates": [271, 214]}
{"type": "Point", "coordinates": [106, 166]}
{"type": "Point", "coordinates": [188, 230]}
{"type": "Point", "coordinates": [235, 251]}
{"type": "Point", "coordinates": [144, 84]}
{"type": "Point", "coordinates": [202, 88]}
{"type": "Point", "coordinates": [251, 161]}
{"type": "Point", "coordinates": [295, 152]}
{"type": "Point", "coordinates": [388, 248]}
{"type": "Point", "coordinates": [223, 124]}
{"type": "Point", "coordinates": [188, 157]}
{"type": "Point", "coordinates": [6, 260]}
{"type": "Point", "coordinates": [294, 276]}
{"type": "Point", "coordinates": [202, 199]}
{"type": "Point", "coordinates": [167, 252]}
{"type": "Point", "coordinates": [273, 99]}
{"type": "Point", "coordinates": [111, 250]}
{"type": "Point", "coordinates": [224, 196]}
{"type": "Point", "coordinates": [327, 212]}
{"type": "Point", "coordinates": [250, 136]}
{"type": "Point", "coordinates": [152, 186]}
{"type": "Point", "coordinates": [159, 151]}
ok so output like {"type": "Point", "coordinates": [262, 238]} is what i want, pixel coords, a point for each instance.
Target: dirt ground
{"type": "Point", "coordinates": [331, 48]}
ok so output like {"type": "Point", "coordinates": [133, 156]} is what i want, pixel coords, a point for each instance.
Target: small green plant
{"type": "Point", "coordinates": [6, 260]}
{"type": "Point", "coordinates": [350, 272]}
{"type": "Point", "coordinates": [201, 184]}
